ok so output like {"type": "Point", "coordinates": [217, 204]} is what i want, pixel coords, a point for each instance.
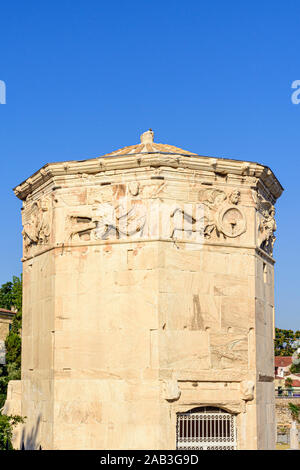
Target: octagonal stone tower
{"type": "Point", "coordinates": [148, 292]}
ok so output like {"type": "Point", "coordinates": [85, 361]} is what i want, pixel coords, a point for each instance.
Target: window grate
{"type": "Point", "coordinates": [206, 431]}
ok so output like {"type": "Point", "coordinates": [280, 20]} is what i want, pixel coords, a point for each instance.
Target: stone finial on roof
{"type": "Point", "coordinates": [147, 137]}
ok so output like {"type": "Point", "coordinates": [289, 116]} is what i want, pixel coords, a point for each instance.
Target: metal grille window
{"type": "Point", "coordinates": [206, 429]}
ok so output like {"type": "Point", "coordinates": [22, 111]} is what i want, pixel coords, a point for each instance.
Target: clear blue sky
{"type": "Point", "coordinates": [86, 77]}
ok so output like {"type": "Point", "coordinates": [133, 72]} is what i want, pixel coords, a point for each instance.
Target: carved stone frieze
{"type": "Point", "coordinates": [247, 390]}
{"type": "Point", "coordinates": [227, 352]}
{"type": "Point", "coordinates": [235, 197]}
{"type": "Point", "coordinates": [37, 224]}
{"type": "Point", "coordinates": [171, 390]}
{"type": "Point", "coordinates": [124, 218]}
{"type": "Point", "coordinates": [267, 224]}
{"type": "Point", "coordinates": [212, 198]}
{"type": "Point", "coordinates": [216, 214]}
{"type": "Point", "coordinates": [266, 229]}
{"type": "Point", "coordinates": [231, 221]}
{"type": "Point", "coordinates": [134, 188]}
{"type": "Point", "coordinates": [81, 226]}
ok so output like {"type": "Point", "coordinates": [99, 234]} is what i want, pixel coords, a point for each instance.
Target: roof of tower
{"type": "Point", "coordinates": [149, 153]}
{"type": "Point", "coordinates": [148, 145]}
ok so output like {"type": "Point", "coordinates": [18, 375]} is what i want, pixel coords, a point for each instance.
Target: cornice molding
{"type": "Point", "coordinates": [221, 166]}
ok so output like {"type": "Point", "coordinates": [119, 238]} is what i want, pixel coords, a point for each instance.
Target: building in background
{"type": "Point", "coordinates": [282, 365]}
{"type": "Point", "coordinates": [287, 383]}
{"type": "Point", "coordinates": [6, 318]}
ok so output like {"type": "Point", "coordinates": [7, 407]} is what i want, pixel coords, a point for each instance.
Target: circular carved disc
{"type": "Point", "coordinates": [232, 222]}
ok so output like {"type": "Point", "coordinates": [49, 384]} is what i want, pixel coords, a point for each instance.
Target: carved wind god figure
{"type": "Point", "coordinates": [107, 221]}
{"type": "Point", "coordinates": [267, 223]}
{"type": "Point", "coordinates": [212, 215]}
{"type": "Point", "coordinates": [185, 224]}
{"type": "Point", "coordinates": [82, 226]}
{"type": "Point", "coordinates": [222, 217]}
{"type": "Point", "coordinates": [198, 220]}
{"type": "Point", "coordinates": [127, 219]}
{"type": "Point", "coordinates": [212, 200]}
{"type": "Point", "coordinates": [235, 197]}
{"type": "Point", "coordinates": [37, 230]}
{"type": "Point", "coordinates": [266, 229]}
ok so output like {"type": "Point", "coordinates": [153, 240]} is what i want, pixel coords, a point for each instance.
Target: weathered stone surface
{"type": "Point", "coordinates": [184, 350]}
{"type": "Point", "coordinates": [228, 350]}
{"type": "Point", "coordinates": [283, 414]}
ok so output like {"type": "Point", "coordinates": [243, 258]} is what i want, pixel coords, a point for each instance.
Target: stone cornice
{"type": "Point", "coordinates": [98, 165]}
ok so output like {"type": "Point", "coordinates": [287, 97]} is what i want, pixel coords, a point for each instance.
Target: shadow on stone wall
{"type": "Point", "coordinates": [29, 439]}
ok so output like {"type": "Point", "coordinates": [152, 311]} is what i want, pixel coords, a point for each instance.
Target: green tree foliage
{"type": "Point", "coordinates": [284, 341]}
{"type": "Point", "coordinates": [6, 300]}
{"type": "Point", "coordinates": [288, 382]}
{"type": "Point", "coordinates": [11, 298]}
{"type": "Point", "coordinates": [3, 385]}
{"type": "Point", "coordinates": [295, 411]}
{"type": "Point", "coordinates": [7, 423]}
{"type": "Point", "coordinates": [11, 294]}
{"type": "Point", "coordinates": [17, 294]}
{"type": "Point", "coordinates": [295, 368]}
{"type": "Point", "coordinates": [7, 373]}
{"type": "Point", "coordinates": [13, 349]}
